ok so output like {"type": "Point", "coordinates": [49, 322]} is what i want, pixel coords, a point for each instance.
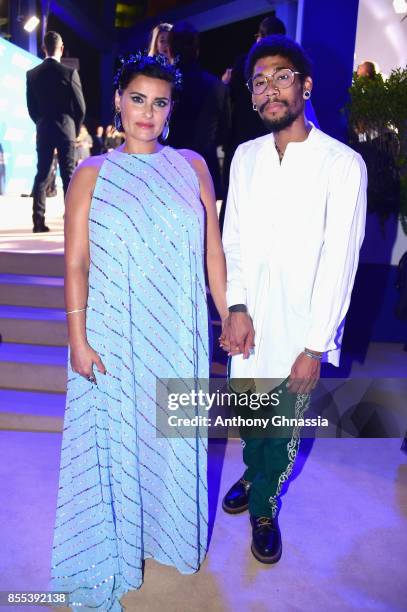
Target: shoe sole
{"type": "Point", "coordinates": [238, 510]}
{"type": "Point", "coordinates": [266, 560]}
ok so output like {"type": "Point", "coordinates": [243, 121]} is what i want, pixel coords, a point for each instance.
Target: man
{"type": "Point", "coordinates": [56, 105]}
{"type": "Point", "coordinates": [293, 229]}
{"type": "Point", "coordinates": [201, 117]}
{"type": "Point", "coordinates": [246, 125]}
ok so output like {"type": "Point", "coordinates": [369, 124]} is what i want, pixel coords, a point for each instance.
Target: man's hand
{"type": "Point", "coordinates": [237, 334]}
{"type": "Point", "coordinates": [304, 374]}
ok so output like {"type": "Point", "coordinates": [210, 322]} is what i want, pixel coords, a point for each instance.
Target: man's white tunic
{"type": "Point", "coordinates": [292, 236]}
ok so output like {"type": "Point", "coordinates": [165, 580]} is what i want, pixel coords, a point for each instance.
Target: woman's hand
{"type": "Point", "coordinates": [83, 358]}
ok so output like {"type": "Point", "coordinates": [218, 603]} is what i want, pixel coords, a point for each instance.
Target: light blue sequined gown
{"type": "Point", "coordinates": [125, 494]}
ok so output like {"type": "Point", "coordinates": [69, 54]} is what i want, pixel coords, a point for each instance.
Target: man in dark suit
{"type": "Point", "coordinates": [201, 117]}
{"type": "Point", "coordinates": [56, 105]}
{"type": "Point", "coordinates": [245, 124]}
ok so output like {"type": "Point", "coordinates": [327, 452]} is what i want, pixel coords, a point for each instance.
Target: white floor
{"type": "Point", "coordinates": [16, 216]}
{"type": "Point", "coordinates": [343, 521]}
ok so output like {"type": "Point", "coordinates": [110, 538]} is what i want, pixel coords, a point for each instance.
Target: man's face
{"type": "Point", "coordinates": [279, 107]}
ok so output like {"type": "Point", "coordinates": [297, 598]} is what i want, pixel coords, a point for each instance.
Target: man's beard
{"type": "Point", "coordinates": [281, 123]}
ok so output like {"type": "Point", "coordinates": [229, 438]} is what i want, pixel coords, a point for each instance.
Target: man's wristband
{"type": "Point", "coordinates": [315, 356]}
{"type": "Point", "coordinates": [238, 308]}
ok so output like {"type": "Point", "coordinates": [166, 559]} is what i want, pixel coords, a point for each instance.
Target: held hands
{"type": "Point", "coordinates": [238, 337]}
{"type": "Point", "coordinates": [304, 374]}
{"type": "Point", "coordinates": [83, 358]}
{"type": "Point", "coordinates": [237, 334]}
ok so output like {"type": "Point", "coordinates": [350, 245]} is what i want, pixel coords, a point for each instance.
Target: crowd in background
{"type": "Point", "coordinates": [104, 140]}
{"type": "Point", "coordinates": [212, 115]}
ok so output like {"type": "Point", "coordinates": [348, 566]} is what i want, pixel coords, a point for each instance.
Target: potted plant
{"type": "Point", "coordinates": [377, 112]}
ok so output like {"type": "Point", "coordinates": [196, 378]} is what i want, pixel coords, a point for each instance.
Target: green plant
{"type": "Point", "coordinates": [397, 96]}
{"type": "Point", "coordinates": [377, 111]}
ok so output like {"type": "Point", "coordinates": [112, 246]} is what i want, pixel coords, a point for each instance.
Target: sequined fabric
{"type": "Point", "coordinates": [125, 494]}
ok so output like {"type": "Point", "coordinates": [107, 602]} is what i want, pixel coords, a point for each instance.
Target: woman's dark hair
{"type": "Point", "coordinates": [271, 25]}
{"type": "Point", "coordinates": [155, 66]}
{"type": "Point", "coordinates": [52, 40]}
{"type": "Point", "coordinates": [279, 45]}
{"type": "Point", "coordinates": [184, 42]}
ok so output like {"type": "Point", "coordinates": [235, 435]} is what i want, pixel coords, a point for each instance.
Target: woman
{"type": "Point", "coordinates": [136, 305]}
{"type": "Point", "coordinates": [159, 43]}
{"type": "Point", "coordinates": [99, 141]}
{"type": "Point", "coordinates": [113, 138]}
{"type": "Point", "coordinates": [83, 145]}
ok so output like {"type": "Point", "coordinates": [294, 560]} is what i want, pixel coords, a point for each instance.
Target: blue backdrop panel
{"type": "Point", "coordinates": [328, 35]}
{"type": "Point", "coordinates": [18, 157]}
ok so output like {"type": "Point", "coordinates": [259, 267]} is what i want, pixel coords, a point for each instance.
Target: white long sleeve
{"type": "Point", "coordinates": [292, 236]}
{"type": "Point", "coordinates": [236, 290]}
{"type": "Point", "coordinates": [343, 237]}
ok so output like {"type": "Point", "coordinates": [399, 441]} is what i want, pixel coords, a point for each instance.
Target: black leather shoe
{"type": "Point", "coordinates": [237, 498]}
{"type": "Point", "coordinates": [40, 228]}
{"type": "Point", "coordinates": [266, 542]}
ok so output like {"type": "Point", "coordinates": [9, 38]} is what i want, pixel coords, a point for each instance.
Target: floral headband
{"type": "Point", "coordinates": [140, 60]}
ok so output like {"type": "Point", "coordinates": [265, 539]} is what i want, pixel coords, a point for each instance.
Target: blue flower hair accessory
{"type": "Point", "coordinates": [140, 60]}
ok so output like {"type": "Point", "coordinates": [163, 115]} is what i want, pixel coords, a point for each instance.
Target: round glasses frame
{"type": "Point", "coordinates": [280, 79]}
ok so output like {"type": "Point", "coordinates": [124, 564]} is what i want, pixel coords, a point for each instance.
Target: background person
{"type": "Point", "coordinates": [83, 145]}
{"type": "Point", "coordinates": [56, 105]}
{"type": "Point", "coordinates": [245, 124]}
{"type": "Point", "coordinates": [201, 117]}
{"type": "Point", "coordinates": [366, 69]}
{"type": "Point", "coordinates": [98, 147]}
{"type": "Point", "coordinates": [159, 42]}
{"type": "Point", "coordinates": [113, 138]}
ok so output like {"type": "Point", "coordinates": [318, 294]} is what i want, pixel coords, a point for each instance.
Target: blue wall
{"type": "Point", "coordinates": [371, 316]}
{"type": "Point", "coordinates": [328, 34]}
{"type": "Point", "coordinates": [17, 131]}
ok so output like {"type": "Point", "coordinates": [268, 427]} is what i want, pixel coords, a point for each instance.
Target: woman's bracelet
{"type": "Point", "coordinates": [312, 355]}
{"type": "Point", "coordinates": [76, 310]}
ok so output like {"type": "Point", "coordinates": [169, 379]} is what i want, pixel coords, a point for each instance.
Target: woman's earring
{"type": "Point", "coordinates": [166, 130]}
{"type": "Point", "coordinates": [306, 94]}
{"type": "Point", "coordinates": [117, 121]}
{"type": "Point", "coordinates": [255, 107]}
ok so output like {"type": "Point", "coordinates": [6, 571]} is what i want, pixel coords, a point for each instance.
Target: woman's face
{"type": "Point", "coordinates": [144, 106]}
{"type": "Point", "coordinates": [162, 44]}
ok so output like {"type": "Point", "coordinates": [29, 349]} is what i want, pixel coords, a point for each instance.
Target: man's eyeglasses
{"type": "Point", "coordinates": [280, 79]}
